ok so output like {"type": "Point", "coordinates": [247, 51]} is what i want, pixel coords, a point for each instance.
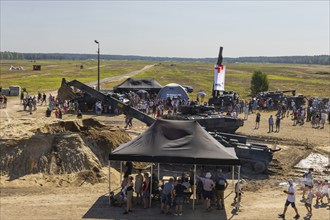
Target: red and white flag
{"type": "Point", "coordinates": [219, 77]}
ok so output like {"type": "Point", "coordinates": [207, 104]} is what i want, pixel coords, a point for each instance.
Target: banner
{"type": "Point", "coordinates": [219, 77]}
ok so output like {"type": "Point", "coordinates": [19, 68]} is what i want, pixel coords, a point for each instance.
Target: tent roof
{"type": "Point", "coordinates": [136, 83]}
{"type": "Point", "coordinates": [173, 89]}
{"type": "Point", "coordinates": [170, 141]}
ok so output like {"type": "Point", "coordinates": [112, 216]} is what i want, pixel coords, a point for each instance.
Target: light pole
{"type": "Point", "coordinates": [98, 65]}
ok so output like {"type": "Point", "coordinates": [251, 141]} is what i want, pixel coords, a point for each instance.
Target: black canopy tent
{"type": "Point", "coordinates": [136, 84]}
{"type": "Point", "coordinates": [170, 141]}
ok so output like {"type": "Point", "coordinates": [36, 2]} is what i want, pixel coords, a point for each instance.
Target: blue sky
{"type": "Point", "coordinates": [167, 28]}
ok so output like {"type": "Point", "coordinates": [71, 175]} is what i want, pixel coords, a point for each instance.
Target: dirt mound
{"type": "Point", "coordinates": [73, 126]}
{"type": "Point", "coordinates": [62, 148]}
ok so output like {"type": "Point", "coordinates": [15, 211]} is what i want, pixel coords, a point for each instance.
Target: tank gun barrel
{"type": "Point", "coordinates": [219, 62]}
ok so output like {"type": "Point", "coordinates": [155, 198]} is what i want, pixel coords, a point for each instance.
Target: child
{"type": "Point", "coordinates": [113, 200]}
{"type": "Point", "coordinates": [325, 191]}
{"type": "Point", "coordinates": [308, 202]}
{"type": "Point", "coordinates": [318, 191]}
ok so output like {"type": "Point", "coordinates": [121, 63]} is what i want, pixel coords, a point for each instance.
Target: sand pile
{"type": "Point", "coordinates": [63, 147]}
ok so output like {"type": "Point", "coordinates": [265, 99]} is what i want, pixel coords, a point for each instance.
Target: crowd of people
{"type": "Point", "coordinates": [210, 188]}
{"type": "Point", "coordinates": [312, 189]}
{"type": "Point", "coordinates": [317, 111]}
{"type": "Point", "coordinates": [174, 192]}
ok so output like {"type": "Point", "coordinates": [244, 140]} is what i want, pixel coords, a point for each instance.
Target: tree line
{"type": "Point", "coordinates": [318, 59]}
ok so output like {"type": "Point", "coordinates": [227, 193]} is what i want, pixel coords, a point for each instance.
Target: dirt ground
{"type": "Point", "coordinates": [42, 196]}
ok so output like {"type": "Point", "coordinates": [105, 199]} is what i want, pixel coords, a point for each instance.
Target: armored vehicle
{"type": "Point", "coordinates": [208, 118]}
{"type": "Point", "coordinates": [279, 96]}
{"type": "Point", "coordinates": [223, 99]}
{"type": "Point", "coordinates": [255, 156]}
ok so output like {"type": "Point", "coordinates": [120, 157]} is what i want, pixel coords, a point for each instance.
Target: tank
{"type": "Point", "coordinates": [252, 156]}
{"type": "Point", "coordinates": [280, 96]}
{"type": "Point", "coordinates": [208, 118]}
{"type": "Point", "coordinates": [224, 99]}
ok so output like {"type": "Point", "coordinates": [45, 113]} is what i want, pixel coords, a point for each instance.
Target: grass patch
{"type": "Point", "coordinates": [310, 80]}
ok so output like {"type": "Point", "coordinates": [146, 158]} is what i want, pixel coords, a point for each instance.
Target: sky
{"type": "Point", "coordinates": [194, 29]}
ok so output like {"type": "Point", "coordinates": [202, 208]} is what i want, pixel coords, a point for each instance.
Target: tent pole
{"type": "Point", "coordinates": [109, 180]}
{"type": "Point", "coordinates": [194, 187]}
{"type": "Point", "coordinates": [239, 173]}
{"type": "Point", "coordinates": [121, 171]}
{"type": "Point", "coordinates": [150, 185]}
{"type": "Point", "coordinates": [233, 176]}
{"type": "Point", "coordinates": [158, 171]}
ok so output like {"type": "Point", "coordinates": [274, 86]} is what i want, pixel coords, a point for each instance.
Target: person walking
{"type": "Point", "coordinates": [291, 200]}
{"type": "Point", "coordinates": [271, 124]}
{"type": "Point", "coordinates": [308, 203]}
{"type": "Point", "coordinates": [238, 194]}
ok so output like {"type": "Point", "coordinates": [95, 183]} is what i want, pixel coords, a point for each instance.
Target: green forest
{"type": "Point", "coordinates": [317, 59]}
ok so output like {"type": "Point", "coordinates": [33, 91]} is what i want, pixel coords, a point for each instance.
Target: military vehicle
{"type": "Point", "coordinates": [221, 100]}
{"type": "Point", "coordinates": [209, 120]}
{"type": "Point", "coordinates": [255, 156]}
{"type": "Point", "coordinates": [279, 96]}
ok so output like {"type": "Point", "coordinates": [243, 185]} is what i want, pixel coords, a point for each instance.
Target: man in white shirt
{"type": "Point", "coordinates": [291, 199]}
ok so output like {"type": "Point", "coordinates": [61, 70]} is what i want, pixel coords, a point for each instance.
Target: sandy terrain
{"type": "Point", "coordinates": [67, 196]}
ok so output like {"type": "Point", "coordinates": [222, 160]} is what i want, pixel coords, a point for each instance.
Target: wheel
{"type": "Point", "coordinates": [259, 167]}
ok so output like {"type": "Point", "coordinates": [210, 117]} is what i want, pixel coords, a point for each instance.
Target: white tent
{"type": "Point", "coordinates": [173, 90]}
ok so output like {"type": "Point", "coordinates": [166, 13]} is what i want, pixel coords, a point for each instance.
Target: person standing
{"type": "Point", "coordinates": [258, 116]}
{"type": "Point", "coordinates": [323, 119]}
{"type": "Point", "coordinates": [325, 191]}
{"type": "Point", "coordinates": [44, 97]}
{"type": "Point", "coordinates": [138, 186]}
{"type": "Point", "coordinates": [220, 185]}
{"type": "Point", "coordinates": [129, 194]}
{"type": "Point", "coordinates": [246, 112]}
{"type": "Point", "coordinates": [271, 124]}
{"type": "Point", "coordinates": [291, 200]}
{"type": "Point", "coordinates": [208, 186]}
{"type": "Point", "coordinates": [277, 123]}
{"type": "Point", "coordinates": [129, 167]}
{"type": "Point", "coordinates": [179, 197]}
{"type": "Point", "coordinates": [146, 190]}
{"type": "Point", "coordinates": [167, 196]}
{"type": "Point", "coordinates": [238, 194]}
{"type": "Point", "coordinates": [309, 180]}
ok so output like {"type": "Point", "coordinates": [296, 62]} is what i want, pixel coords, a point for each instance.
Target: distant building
{"type": "Point", "coordinates": [11, 91]}
{"type": "Point", "coordinates": [36, 67]}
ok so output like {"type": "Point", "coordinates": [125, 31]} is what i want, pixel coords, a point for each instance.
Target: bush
{"type": "Point", "coordinates": [259, 82]}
